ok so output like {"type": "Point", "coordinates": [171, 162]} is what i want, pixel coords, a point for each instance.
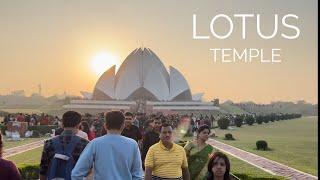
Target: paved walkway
{"type": "Point", "coordinates": [23, 148]}
{"type": "Point", "coordinates": [265, 164]}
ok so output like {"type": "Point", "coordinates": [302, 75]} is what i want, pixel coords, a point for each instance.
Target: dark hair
{"type": "Point", "coordinates": [216, 155]}
{"type": "Point", "coordinates": [202, 128]}
{"type": "Point", "coordinates": [71, 119]}
{"type": "Point", "coordinates": [85, 127]}
{"type": "Point", "coordinates": [166, 125]}
{"type": "Point", "coordinates": [114, 120]}
{"type": "Point", "coordinates": [1, 145]}
{"type": "Point", "coordinates": [147, 122]}
{"type": "Point", "coordinates": [128, 114]}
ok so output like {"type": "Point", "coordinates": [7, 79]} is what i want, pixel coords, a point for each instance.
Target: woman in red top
{"type": "Point", "coordinates": [84, 126]}
{"type": "Point", "coordinates": [8, 171]}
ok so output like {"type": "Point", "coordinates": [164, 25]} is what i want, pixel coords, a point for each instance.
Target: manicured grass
{"type": "Point", "coordinates": [292, 142]}
{"type": "Point", "coordinates": [240, 167]}
{"type": "Point", "coordinates": [30, 157]}
{"type": "Point", "coordinates": [11, 144]}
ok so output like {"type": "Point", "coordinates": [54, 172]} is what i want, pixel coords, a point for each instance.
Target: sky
{"type": "Point", "coordinates": [53, 43]}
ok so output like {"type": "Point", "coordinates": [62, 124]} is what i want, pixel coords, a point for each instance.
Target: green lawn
{"type": "Point", "coordinates": [292, 142]}
{"type": "Point", "coordinates": [11, 144]}
{"type": "Point", "coordinates": [30, 157]}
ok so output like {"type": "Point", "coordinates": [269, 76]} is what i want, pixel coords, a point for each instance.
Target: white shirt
{"type": "Point", "coordinates": [82, 134]}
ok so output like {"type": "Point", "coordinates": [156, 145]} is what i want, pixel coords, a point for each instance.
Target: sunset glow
{"type": "Point", "coordinates": [103, 61]}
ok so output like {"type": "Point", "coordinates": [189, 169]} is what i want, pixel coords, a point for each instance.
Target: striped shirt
{"type": "Point", "coordinates": [166, 163]}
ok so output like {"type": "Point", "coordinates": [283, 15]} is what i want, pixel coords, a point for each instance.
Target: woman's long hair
{"type": "Point", "coordinates": [211, 164]}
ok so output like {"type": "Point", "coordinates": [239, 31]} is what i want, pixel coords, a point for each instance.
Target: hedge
{"type": "Point", "coordinates": [223, 123]}
{"type": "Point", "coordinates": [238, 121]}
{"type": "Point", "coordinates": [29, 171]}
{"type": "Point", "coordinates": [43, 129]}
{"type": "Point", "coordinates": [249, 120]}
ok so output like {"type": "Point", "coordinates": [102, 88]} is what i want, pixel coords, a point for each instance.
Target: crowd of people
{"type": "Point", "coordinates": [32, 119]}
{"type": "Point", "coordinates": [123, 145]}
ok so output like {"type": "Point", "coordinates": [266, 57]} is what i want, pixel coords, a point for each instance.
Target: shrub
{"type": "Point", "coordinates": [262, 145]}
{"type": "Point", "coordinates": [273, 117]}
{"type": "Point", "coordinates": [223, 123]}
{"type": "Point", "coordinates": [238, 121]}
{"type": "Point", "coordinates": [43, 129]}
{"type": "Point", "coordinates": [249, 120]}
{"type": "Point", "coordinates": [29, 171]}
{"type": "Point", "coordinates": [259, 119]}
{"type": "Point", "coordinates": [266, 118]}
{"type": "Point", "coordinates": [228, 137]}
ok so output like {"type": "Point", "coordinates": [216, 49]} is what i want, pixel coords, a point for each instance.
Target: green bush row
{"type": "Point", "coordinates": [224, 122]}
{"type": "Point", "coordinates": [29, 172]}
{"type": "Point", "coordinates": [43, 129]}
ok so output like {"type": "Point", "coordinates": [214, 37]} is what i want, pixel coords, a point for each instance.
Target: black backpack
{"type": "Point", "coordinates": [62, 163]}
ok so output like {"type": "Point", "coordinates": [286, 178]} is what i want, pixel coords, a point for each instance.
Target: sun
{"type": "Point", "coordinates": [103, 61]}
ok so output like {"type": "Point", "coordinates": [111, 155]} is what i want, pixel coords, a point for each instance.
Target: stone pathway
{"type": "Point", "coordinates": [265, 164]}
{"type": "Point", "coordinates": [23, 148]}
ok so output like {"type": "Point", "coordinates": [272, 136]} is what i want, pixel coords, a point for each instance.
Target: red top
{"type": "Point", "coordinates": [91, 135]}
{"type": "Point", "coordinates": [20, 118]}
{"type": "Point", "coordinates": [8, 171]}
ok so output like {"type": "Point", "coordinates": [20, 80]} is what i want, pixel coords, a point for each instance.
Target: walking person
{"type": "Point", "coordinates": [130, 130]}
{"type": "Point", "coordinates": [219, 167]}
{"type": "Point", "coordinates": [8, 170]}
{"type": "Point", "coordinates": [111, 156]}
{"type": "Point", "coordinates": [61, 153]}
{"type": "Point", "coordinates": [150, 138]}
{"type": "Point", "coordinates": [165, 159]}
{"type": "Point", "coordinates": [198, 152]}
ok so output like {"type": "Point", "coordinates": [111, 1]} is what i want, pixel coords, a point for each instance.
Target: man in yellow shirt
{"type": "Point", "coordinates": [165, 159]}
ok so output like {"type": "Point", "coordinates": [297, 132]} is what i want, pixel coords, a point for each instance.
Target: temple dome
{"type": "Point", "coordinates": [142, 75]}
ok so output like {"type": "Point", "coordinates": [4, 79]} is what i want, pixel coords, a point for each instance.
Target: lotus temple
{"type": "Point", "coordinates": [142, 84]}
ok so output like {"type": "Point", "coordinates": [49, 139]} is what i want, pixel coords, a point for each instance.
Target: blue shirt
{"type": "Point", "coordinates": [112, 157]}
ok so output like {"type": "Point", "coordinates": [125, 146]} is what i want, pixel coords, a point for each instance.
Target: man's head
{"type": "Point", "coordinates": [157, 124]}
{"type": "Point", "coordinates": [114, 120]}
{"type": "Point", "coordinates": [149, 124]}
{"type": "Point", "coordinates": [71, 119]}
{"type": "Point", "coordinates": [166, 133]}
{"type": "Point", "coordinates": [129, 118]}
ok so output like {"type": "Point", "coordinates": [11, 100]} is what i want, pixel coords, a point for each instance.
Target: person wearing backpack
{"type": "Point", "coordinates": [112, 156]}
{"type": "Point", "coordinates": [61, 153]}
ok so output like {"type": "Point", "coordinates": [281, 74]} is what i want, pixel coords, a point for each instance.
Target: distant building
{"type": "Point", "coordinates": [18, 93]}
